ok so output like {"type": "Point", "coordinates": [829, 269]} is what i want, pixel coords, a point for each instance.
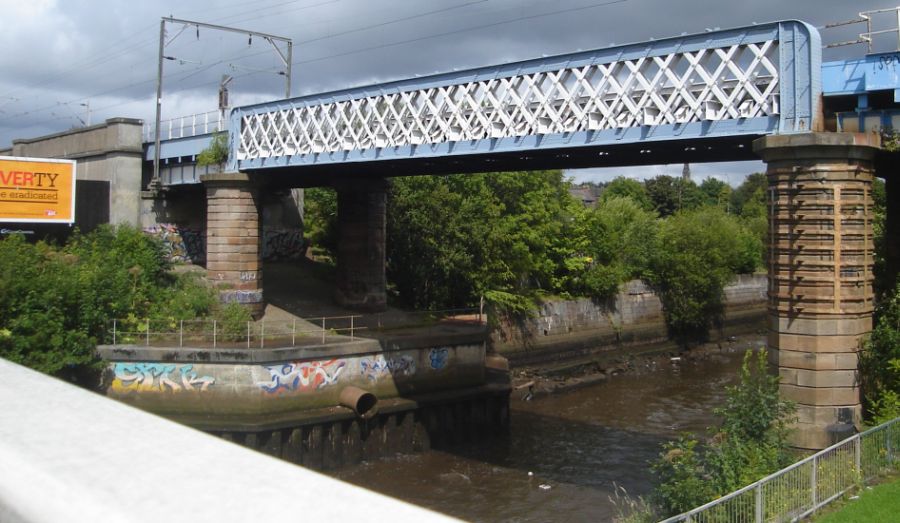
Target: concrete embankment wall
{"type": "Point", "coordinates": [564, 329]}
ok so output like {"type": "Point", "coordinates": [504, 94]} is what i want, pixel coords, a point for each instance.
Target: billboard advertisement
{"type": "Point", "coordinates": [37, 190]}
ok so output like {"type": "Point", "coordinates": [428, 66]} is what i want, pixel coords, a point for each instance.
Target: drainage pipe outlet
{"type": "Point", "coordinates": [362, 402]}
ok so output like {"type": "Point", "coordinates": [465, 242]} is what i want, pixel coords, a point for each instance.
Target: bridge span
{"type": "Point", "coordinates": [694, 98]}
{"type": "Point", "coordinates": [740, 94]}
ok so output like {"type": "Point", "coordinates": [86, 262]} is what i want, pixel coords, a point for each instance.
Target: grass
{"type": "Point", "coordinates": [878, 503]}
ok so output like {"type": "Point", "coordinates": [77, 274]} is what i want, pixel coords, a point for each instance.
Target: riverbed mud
{"type": "Point", "coordinates": [535, 381]}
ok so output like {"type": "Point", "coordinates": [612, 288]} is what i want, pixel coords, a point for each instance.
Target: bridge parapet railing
{"type": "Point", "coordinates": [801, 489]}
{"type": "Point", "coordinates": [235, 334]}
{"type": "Point", "coordinates": [186, 126]}
{"type": "Point", "coordinates": [890, 14]}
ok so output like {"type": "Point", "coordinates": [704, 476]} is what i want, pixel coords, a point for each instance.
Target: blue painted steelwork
{"type": "Point", "coordinates": [281, 139]}
{"type": "Point", "coordinates": [868, 120]}
{"type": "Point", "coordinates": [876, 72]}
{"type": "Point", "coordinates": [175, 148]}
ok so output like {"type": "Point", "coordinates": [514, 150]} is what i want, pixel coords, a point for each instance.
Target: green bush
{"type": "Point", "coordinates": [698, 253]}
{"type": "Point", "coordinates": [879, 361]}
{"type": "Point", "coordinates": [750, 444]}
{"type": "Point", "coordinates": [233, 319]}
{"type": "Point", "coordinates": [57, 303]}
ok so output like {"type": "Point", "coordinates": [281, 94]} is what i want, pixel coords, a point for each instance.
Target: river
{"type": "Point", "coordinates": [566, 452]}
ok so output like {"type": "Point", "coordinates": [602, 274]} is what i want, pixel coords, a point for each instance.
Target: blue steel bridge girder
{"type": "Point", "coordinates": [704, 88]}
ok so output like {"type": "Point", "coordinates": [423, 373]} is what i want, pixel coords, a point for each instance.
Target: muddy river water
{"type": "Point", "coordinates": [564, 452]}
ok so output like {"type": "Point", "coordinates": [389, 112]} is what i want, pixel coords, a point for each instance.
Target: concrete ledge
{"type": "Point", "coordinates": [225, 177]}
{"type": "Point", "coordinates": [72, 455]}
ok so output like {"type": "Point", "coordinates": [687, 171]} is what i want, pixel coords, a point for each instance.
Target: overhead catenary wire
{"type": "Point", "coordinates": [194, 72]}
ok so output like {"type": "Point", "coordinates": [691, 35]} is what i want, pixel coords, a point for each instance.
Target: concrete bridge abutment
{"type": "Point", "coordinates": [362, 214]}
{"type": "Point", "coordinates": [233, 254]}
{"type": "Point", "coordinates": [820, 263]}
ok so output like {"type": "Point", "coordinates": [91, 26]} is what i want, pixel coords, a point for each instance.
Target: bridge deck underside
{"type": "Point", "coordinates": [735, 148]}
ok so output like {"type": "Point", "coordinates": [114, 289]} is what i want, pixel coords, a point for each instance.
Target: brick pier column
{"type": "Point", "coordinates": [820, 261]}
{"type": "Point", "coordinates": [362, 210]}
{"type": "Point", "coordinates": [233, 254]}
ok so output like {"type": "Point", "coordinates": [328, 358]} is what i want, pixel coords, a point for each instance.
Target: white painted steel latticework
{"type": "Point", "coordinates": [668, 89]}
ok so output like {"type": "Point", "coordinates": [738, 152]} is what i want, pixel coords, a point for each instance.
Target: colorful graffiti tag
{"type": "Point", "coordinates": [377, 366]}
{"type": "Point", "coordinates": [297, 376]}
{"type": "Point", "coordinates": [180, 243]}
{"type": "Point", "coordinates": [158, 377]}
{"type": "Point", "coordinates": [439, 358]}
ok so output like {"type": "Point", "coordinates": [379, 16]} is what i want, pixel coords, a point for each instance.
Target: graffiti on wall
{"type": "Point", "coordinates": [378, 366]}
{"type": "Point", "coordinates": [439, 358]}
{"type": "Point", "coordinates": [302, 376]}
{"type": "Point", "coordinates": [283, 244]}
{"type": "Point", "coordinates": [158, 377]}
{"type": "Point", "coordinates": [180, 243]}
{"type": "Point", "coordinates": [245, 297]}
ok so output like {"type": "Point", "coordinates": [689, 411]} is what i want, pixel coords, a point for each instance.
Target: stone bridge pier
{"type": "Point", "coordinates": [233, 253]}
{"type": "Point", "coordinates": [234, 250]}
{"type": "Point", "coordinates": [820, 262]}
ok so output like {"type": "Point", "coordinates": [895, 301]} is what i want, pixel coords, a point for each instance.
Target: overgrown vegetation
{"type": "Point", "coordinates": [750, 444]}
{"type": "Point", "coordinates": [57, 302]}
{"type": "Point", "coordinates": [515, 238]}
{"type": "Point", "coordinates": [879, 361]}
{"type": "Point", "coordinates": [216, 152]}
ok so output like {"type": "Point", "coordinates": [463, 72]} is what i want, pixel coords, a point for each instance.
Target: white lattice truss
{"type": "Point", "coordinates": [731, 82]}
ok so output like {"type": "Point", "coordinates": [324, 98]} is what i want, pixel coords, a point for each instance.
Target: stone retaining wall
{"type": "Point", "coordinates": [634, 315]}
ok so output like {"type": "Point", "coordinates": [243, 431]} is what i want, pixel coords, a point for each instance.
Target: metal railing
{"type": "Point", "coordinates": [223, 334]}
{"type": "Point", "coordinates": [187, 126]}
{"type": "Point", "coordinates": [865, 17]}
{"type": "Point", "coordinates": [806, 486]}
{"type": "Point", "coordinates": [289, 333]}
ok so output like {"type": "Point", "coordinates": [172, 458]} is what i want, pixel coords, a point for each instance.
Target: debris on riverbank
{"type": "Point", "coordinates": [532, 382]}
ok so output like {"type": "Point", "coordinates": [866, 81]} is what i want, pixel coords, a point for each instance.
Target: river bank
{"type": "Point", "coordinates": [567, 451]}
{"type": "Point", "coordinates": [535, 381]}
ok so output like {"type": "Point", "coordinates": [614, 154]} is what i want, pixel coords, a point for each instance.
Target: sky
{"type": "Point", "coordinates": [67, 63]}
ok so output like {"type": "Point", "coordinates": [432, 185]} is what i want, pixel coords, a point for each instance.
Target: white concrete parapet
{"type": "Point", "coordinates": [67, 454]}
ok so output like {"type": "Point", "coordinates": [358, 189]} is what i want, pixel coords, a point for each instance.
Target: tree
{"type": "Point", "coordinates": [716, 193]}
{"type": "Point", "coordinates": [670, 195]}
{"type": "Point", "coordinates": [620, 235]}
{"type": "Point", "coordinates": [509, 236]}
{"type": "Point", "coordinates": [749, 199]}
{"type": "Point", "coordinates": [624, 187]}
{"type": "Point", "coordinates": [699, 252]}
{"type": "Point", "coordinates": [320, 218]}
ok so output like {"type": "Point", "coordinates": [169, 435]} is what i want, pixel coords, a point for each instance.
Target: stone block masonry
{"type": "Point", "coordinates": [570, 328]}
{"type": "Point", "coordinates": [233, 260]}
{"type": "Point", "coordinates": [820, 275]}
{"type": "Point", "coordinates": [362, 211]}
